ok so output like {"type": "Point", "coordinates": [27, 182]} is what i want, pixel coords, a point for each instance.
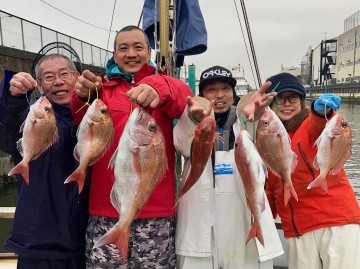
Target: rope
{"type": "Point", "coordinates": [251, 42]}
{"type": "Point", "coordinates": [246, 46]}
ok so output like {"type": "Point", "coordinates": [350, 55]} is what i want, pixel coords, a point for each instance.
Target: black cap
{"type": "Point", "coordinates": [288, 83]}
{"type": "Point", "coordinates": [216, 73]}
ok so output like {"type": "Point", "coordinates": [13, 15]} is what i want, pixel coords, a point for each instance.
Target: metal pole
{"type": "Point", "coordinates": [164, 32]}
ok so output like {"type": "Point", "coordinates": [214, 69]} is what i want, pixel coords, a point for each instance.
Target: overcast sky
{"type": "Point", "coordinates": [282, 30]}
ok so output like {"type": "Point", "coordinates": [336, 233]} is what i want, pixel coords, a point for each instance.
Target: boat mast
{"type": "Point", "coordinates": [167, 49]}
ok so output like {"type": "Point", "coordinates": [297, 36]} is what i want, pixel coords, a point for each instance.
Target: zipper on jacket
{"type": "Point", "coordinates": [303, 155]}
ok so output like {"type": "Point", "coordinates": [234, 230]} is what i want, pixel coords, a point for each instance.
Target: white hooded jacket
{"type": "Point", "coordinates": [199, 209]}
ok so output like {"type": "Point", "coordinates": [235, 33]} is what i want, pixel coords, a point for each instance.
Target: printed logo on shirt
{"type": "Point", "coordinates": [223, 169]}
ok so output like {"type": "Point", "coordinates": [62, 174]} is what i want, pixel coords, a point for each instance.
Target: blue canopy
{"type": "Point", "coordinates": [191, 35]}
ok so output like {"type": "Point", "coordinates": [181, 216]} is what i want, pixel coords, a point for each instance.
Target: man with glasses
{"type": "Point", "coordinates": [321, 229]}
{"type": "Point", "coordinates": [51, 217]}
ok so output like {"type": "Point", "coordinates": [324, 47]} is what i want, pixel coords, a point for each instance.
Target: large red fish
{"type": "Point", "coordinates": [39, 133]}
{"type": "Point", "coordinates": [253, 173]}
{"type": "Point", "coordinates": [201, 148]}
{"type": "Point", "coordinates": [139, 162]}
{"type": "Point", "coordinates": [95, 135]}
{"type": "Point", "coordinates": [274, 146]}
{"type": "Point", "coordinates": [334, 149]}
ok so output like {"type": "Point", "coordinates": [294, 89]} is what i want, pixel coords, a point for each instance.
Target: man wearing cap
{"type": "Point", "coordinates": [322, 228]}
{"type": "Point", "coordinates": [213, 220]}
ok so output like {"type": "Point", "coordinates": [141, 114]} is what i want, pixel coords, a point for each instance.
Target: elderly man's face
{"type": "Point", "coordinates": [57, 80]}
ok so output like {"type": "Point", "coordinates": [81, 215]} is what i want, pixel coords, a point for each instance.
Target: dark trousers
{"type": "Point", "coordinates": [72, 263]}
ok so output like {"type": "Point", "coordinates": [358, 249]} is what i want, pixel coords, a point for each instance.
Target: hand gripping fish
{"type": "Point", "coordinates": [139, 162]}
{"type": "Point", "coordinates": [334, 149]}
{"type": "Point", "coordinates": [274, 146]}
{"type": "Point", "coordinates": [39, 133]}
{"type": "Point", "coordinates": [201, 148]}
{"type": "Point", "coordinates": [253, 173]}
{"type": "Point", "coordinates": [95, 135]}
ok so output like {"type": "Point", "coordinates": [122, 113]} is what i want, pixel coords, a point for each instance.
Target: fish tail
{"type": "Point", "coordinates": [288, 192]}
{"type": "Point", "coordinates": [320, 181]}
{"type": "Point", "coordinates": [256, 231]}
{"type": "Point", "coordinates": [78, 176]}
{"type": "Point", "coordinates": [23, 169]}
{"type": "Point", "coordinates": [120, 237]}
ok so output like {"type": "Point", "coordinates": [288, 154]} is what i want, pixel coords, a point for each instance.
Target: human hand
{"type": "Point", "coordinates": [21, 83]}
{"type": "Point", "coordinates": [258, 101]}
{"type": "Point", "coordinates": [144, 95]}
{"type": "Point", "coordinates": [327, 101]}
{"type": "Point", "coordinates": [196, 111]}
{"type": "Point", "coordinates": [86, 84]}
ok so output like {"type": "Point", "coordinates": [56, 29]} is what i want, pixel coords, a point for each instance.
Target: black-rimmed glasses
{"type": "Point", "coordinates": [291, 98]}
{"type": "Point", "coordinates": [50, 78]}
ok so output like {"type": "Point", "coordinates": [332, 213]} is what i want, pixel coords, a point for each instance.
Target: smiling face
{"type": "Point", "coordinates": [131, 51]}
{"type": "Point", "coordinates": [290, 107]}
{"type": "Point", "coordinates": [222, 93]}
{"type": "Point", "coordinates": [60, 90]}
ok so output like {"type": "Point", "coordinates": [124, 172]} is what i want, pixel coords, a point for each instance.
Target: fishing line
{"type": "Point", "coordinates": [276, 99]}
{"type": "Point", "coordinates": [88, 101]}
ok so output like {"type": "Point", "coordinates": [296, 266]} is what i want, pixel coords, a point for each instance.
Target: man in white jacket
{"type": "Point", "coordinates": [213, 220]}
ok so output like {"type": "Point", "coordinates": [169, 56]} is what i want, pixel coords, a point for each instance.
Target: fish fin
{"type": "Point", "coordinates": [340, 165]}
{"type": "Point", "coordinates": [112, 159]}
{"type": "Point", "coordinates": [20, 147]}
{"type": "Point", "coordinates": [79, 176]}
{"type": "Point", "coordinates": [263, 203]}
{"type": "Point", "coordinates": [315, 163]}
{"type": "Point", "coordinates": [288, 192]}
{"type": "Point", "coordinates": [294, 162]}
{"type": "Point", "coordinates": [118, 236]}
{"type": "Point", "coordinates": [23, 169]}
{"type": "Point", "coordinates": [320, 181]}
{"type": "Point", "coordinates": [115, 201]}
{"type": "Point", "coordinates": [255, 231]}
{"type": "Point", "coordinates": [21, 129]}
{"type": "Point", "coordinates": [76, 154]}
{"type": "Point", "coordinates": [317, 142]}
{"type": "Point", "coordinates": [265, 170]}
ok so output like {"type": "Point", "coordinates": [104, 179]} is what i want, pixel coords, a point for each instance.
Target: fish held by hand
{"type": "Point", "coordinates": [274, 146]}
{"type": "Point", "coordinates": [95, 135]}
{"type": "Point", "coordinates": [139, 162]}
{"type": "Point", "coordinates": [253, 174]}
{"type": "Point", "coordinates": [39, 132]}
{"type": "Point", "coordinates": [334, 149]}
{"type": "Point", "coordinates": [201, 148]}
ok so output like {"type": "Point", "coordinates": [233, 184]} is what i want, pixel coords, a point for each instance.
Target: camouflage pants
{"type": "Point", "coordinates": [151, 244]}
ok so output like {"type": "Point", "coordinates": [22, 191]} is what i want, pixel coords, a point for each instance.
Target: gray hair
{"type": "Point", "coordinates": [71, 64]}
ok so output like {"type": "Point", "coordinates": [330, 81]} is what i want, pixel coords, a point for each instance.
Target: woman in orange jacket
{"type": "Point", "coordinates": [321, 229]}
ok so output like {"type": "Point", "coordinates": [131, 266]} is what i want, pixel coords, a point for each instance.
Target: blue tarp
{"type": "Point", "coordinates": [191, 35]}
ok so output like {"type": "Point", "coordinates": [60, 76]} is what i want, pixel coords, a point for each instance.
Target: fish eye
{"type": "Point", "coordinates": [344, 124]}
{"type": "Point", "coordinates": [47, 109]}
{"type": "Point", "coordinates": [103, 111]}
{"type": "Point", "coordinates": [266, 122]}
{"type": "Point", "coordinates": [152, 127]}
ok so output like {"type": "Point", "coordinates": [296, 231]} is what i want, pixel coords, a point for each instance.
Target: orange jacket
{"type": "Point", "coordinates": [315, 209]}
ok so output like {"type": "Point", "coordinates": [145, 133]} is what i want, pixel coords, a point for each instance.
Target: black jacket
{"type": "Point", "coordinates": [51, 217]}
